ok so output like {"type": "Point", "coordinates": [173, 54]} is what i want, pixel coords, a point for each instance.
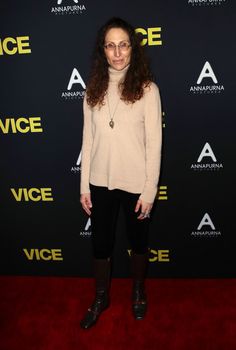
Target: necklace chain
{"type": "Point", "coordinates": [111, 122]}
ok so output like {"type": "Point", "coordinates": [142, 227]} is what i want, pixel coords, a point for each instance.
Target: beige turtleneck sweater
{"type": "Point", "coordinates": [128, 156]}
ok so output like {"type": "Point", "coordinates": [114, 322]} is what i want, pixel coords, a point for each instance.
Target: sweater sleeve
{"type": "Point", "coordinates": [86, 148]}
{"type": "Point", "coordinates": [153, 142]}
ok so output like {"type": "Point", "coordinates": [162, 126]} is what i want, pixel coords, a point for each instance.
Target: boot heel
{"type": "Point", "coordinates": [93, 313]}
{"type": "Point", "coordinates": [102, 268]}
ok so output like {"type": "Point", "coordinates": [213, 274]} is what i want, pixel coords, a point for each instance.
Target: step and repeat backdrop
{"type": "Point", "coordinates": [45, 58]}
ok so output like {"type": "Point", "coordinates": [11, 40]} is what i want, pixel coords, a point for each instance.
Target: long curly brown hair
{"type": "Point", "coordinates": [137, 77]}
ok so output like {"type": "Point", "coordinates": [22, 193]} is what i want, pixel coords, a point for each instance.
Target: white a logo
{"type": "Point", "coordinates": [206, 152]}
{"type": "Point", "coordinates": [207, 72]}
{"type": "Point", "coordinates": [206, 221]}
{"type": "Point", "coordinates": [88, 224]}
{"type": "Point", "coordinates": [79, 160]}
{"type": "Point", "coordinates": [75, 79]}
{"type": "Point", "coordinates": [60, 1]}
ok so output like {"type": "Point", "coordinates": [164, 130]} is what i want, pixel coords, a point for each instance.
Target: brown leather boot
{"type": "Point", "coordinates": [102, 268]}
{"type": "Point", "coordinates": [139, 263]}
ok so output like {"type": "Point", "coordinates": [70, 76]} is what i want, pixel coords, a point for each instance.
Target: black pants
{"type": "Point", "coordinates": [106, 204]}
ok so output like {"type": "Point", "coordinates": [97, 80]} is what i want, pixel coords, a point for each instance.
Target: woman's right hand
{"type": "Point", "coordinates": [85, 200]}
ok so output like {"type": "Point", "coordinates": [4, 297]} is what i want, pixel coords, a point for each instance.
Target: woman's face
{"type": "Point", "coordinates": [118, 57]}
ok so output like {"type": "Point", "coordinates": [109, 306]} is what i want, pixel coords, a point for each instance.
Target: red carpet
{"type": "Point", "coordinates": [44, 312]}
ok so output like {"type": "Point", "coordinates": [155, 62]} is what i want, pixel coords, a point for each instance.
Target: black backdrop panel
{"type": "Point", "coordinates": [45, 57]}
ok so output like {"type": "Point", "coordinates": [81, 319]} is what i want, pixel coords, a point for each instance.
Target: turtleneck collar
{"type": "Point", "coordinates": [116, 75]}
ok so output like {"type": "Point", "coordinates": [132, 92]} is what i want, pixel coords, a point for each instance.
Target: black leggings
{"type": "Point", "coordinates": [104, 215]}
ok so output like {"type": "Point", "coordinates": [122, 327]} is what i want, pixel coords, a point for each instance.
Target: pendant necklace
{"type": "Point", "coordinates": [111, 122]}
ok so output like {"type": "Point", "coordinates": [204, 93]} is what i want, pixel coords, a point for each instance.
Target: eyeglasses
{"type": "Point", "coordinates": [123, 46]}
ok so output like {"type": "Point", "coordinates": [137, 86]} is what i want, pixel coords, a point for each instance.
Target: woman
{"type": "Point", "coordinates": [121, 154]}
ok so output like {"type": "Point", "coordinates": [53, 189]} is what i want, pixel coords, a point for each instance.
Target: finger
{"type": "Point", "coordinates": [89, 203]}
{"type": "Point", "coordinates": [86, 209]}
{"type": "Point", "coordinates": [86, 203]}
{"type": "Point", "coordinates": [145, 214]}
{"type": "Point", "coordinates": [141, 215]}
{"type": "Point", "coordinates": [137, 206]}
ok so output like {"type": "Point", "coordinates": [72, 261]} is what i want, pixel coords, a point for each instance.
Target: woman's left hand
{"type": "Point", "coordinates": [145, 209]}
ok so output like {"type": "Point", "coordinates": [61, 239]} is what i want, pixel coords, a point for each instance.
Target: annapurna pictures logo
{"type": "Point", "coordinates": [206, 2]}
{"type": "Point", "coordinates": [77, 168]}
{"type": "Point", "coordinates": [71, 93]}
{"type": "Point", "coordinates": [201, 164]}
{"type": "Point", "coordinates": [64, 9]}
{"type": "Point", "coordinates": [202, 231]}
{"type": "Point", "coordinates": [207, 73]}
{"type": "Point", "coordinates": [87, 229]}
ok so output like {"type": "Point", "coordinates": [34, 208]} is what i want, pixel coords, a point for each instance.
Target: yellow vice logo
{"type": "Point", "coordinates": [151, 36]}
{"type": "Point", "coordinates": [43, 254]}
{"type": "Point", "coordinates": [160, 255]}
{"type": "Point", "coordinates": [162, 193]}
{"type": "Point", "coordinates": [32, 194]}
{"type": "Point", "coordinates": [22, 125]}
{"type": "Point", "coordinates": [11, 46]}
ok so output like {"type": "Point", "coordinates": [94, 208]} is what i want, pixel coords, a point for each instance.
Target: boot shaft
{"type": "Point", "coordinates": [139, 265]}
{"type": "Point", "coordinates": [102, 272]}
